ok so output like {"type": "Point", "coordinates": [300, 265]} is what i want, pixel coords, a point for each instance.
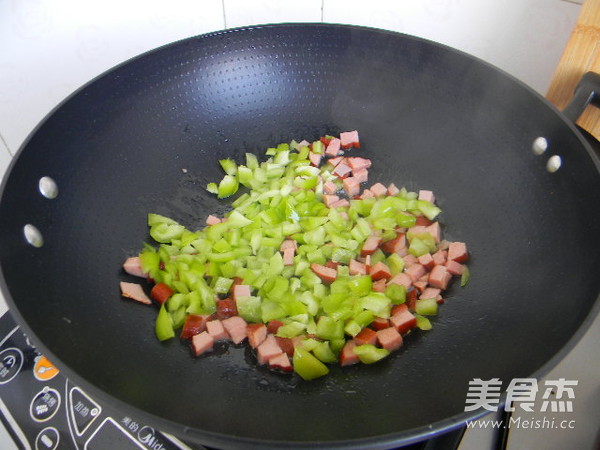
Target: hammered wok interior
{"type": "Point", "coordinates": [428, 116]}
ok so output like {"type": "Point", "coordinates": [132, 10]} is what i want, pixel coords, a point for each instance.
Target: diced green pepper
{"type": "Point", "coordinates": [369, 354]}
{"type": "Point", "coordinates": [396, 293]}
{"type": "Point", "coordinates": [164, 325]}
{"type": "Point", "coordinates": [307, 365]}
{"type": "Point", "coordinates": [465, 276]}
{"type": "Point", "coordinates": [423, 323]}
{"type": "Point", "coordinates": [227, 187]}
{"type": "Point", "coordinates": [426, 306]}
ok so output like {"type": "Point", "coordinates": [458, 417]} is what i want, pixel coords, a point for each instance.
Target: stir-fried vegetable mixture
{"type": "Point", "coordinates": [305, 267]}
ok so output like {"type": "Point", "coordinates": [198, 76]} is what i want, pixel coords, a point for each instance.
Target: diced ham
{"type": "Point", "coordinates": [423, 221]}
{"type": "Point", "coordinates": [401, 279]}
{"type": "Point", "coordinates": [332, 264]}
{"type": "Point", "coordinates": [161, 292]}
{"type": "Point", "coordinates": [379, 285]}
{"type": "Point", "coordinates": [135, 292]}
{"type": "Point", "coordinates": [303, 143]}
{"type": "Point", "coordinates": [226, 308]}
{"type": "Point", "coordinates": [415, 271]}
{"type": "Point", "coordinates": [409, 260]}
{"type": "Point", "coordinates": [288, 243]}
{"type": "Point", "coordinates": [342, 170]}
{"type": "Point", "coordinates": [257, 333]}
{"type": "Point", "coordinates": [194, 324]}
{"type": "Point", "coordinates": [403, 320]}
{"type": "Point", "coordinates": [358, 163]}
{"type": "Point", "coordinates": [351, 186]}
{"type": "Point", "coordinates": [426, 261]}
{"type": "Point", "coordinates": [273, 326]}
{"type": "Point", "coordinates": [439, 277]}
{"type": "Point", "coordinates": [216, 329]}
{"type": "Point", "coordinates": [329, 199]}
{"type": "Point", "coordinates": [286, 344]}
{"type": "Point", "coordinates": [439, 257]}
{"type": "Point", "coordinates": [430, 292]}
{"type": "Point", "coordinates": [370, 245]}
{"type": "Point", "coordinates": [357, 268]}
{"type": "Point", "coordinates": [335, 161]}
{"type": "Point", "coordinates": [412, 296]}
{"type": "Point", "coordinates": [342, 202]}
{"type": "Point", "coordinates": [427, 196]}
{"type": "Point", "coordinates": [202, 343]}
{"type": "Point", "coordinates": [380, 271]}
{"type": "Point", "coordinates": [361, 175]}
{"type": "Point", "coordinates": [389, 338]}
{"type": "Point", "coordinates": [333, 148]}
{"type": "Point", "coordinates": [315, 158]}
{"type": "Point", "coordinates": [349, 139]}
{"type": "Point", "coordinates": [236, 327]}
{"type": "Point", "coordinates": [366, 336]}
{"type": "Point", "coordinates": [347, 356]}
{"type": "Point", "coordinates": [288, 257]}
{"type": "Point", "coordinates": [241, 290]}
{"type": "Point", "coordinates": [378, 189]}
{"type": "Point", "coordinates": [268, 349]}
{"type": "Point", "coordinates": [379, 323]}
{"type": "Point", "coordinates": [394, 245]}
{"type": "Point", "coordinates": [435, 230]}
{"type": "Point", "coordinates": [421, 283]}
{"type": "Point", "coordinates": [454, 267]}
{"type": "Point", "coordinates": [212, 220]}
{"type": "Point", "coordinates": [281, 362]}
{"type": "Point", "coordinates": [330, 188]}
{"type": "Point", "coordinates": [367, 194]}
{"type": "Point", "coordinates": [457, 251]}
{"type": "Point", "coordinates": [392, 189]}
{"type": "Point", "coordinates": [133, 266]}
{"type": "Point", "coordinates": [326, 274]}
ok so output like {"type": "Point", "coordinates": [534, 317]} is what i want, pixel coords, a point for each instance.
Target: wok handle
{"type": "Point", "coordinates": [587, 92]}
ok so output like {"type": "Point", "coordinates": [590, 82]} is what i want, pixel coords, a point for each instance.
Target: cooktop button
{"type": "Point", "coordinates": [45, 404]}
{"type": "Point", "coordinates": [43, 369]}
{"type": "Point", "coordinates": [11, 361]}
{"type": "Point", "coordinates": [83, 410]}
{"type": "Point", "coordinates": [47, 439]}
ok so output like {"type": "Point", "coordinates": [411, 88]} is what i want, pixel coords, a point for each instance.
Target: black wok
{"type": "Point", "coordinates": [429, 117]}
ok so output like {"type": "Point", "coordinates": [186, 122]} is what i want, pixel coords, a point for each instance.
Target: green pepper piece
{"type": "Point", "coordinates": [228, 186]}
{"type": "Point", "coordinates": [426, 307]}
{"type": "Point", "coordinates": [370, 354]}
{"type": "Point", "coordinates": [396, 293]}
{"type": "Point", "coordinates": [164, 325]}
{"type": "Point", "coordinates": [324, 353]}
{"type": "Point", "coordinates": [423, 323]}
{"type": "Point", "coordinates": [307, 365]}
{"type": "Point", "coordinates": [465, 277]}
{"type": "Point", "coordinates": [229, 166]}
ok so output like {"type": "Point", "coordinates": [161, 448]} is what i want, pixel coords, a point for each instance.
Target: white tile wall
{"type": "Point", "coordinates": [48, 48]}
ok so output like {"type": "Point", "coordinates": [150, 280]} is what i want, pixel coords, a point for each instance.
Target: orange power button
{"type": "Point", "coordinates": [43, 369]}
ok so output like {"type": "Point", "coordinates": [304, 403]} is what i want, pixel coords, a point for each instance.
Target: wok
{"type": "Point", "coordinates": [429, 117]}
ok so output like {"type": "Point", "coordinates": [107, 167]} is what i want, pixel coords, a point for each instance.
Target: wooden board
{"type": "Point", "coordinates": [581, 55]}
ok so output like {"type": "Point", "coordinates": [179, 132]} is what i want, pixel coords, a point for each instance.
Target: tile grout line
{"type": "Point", "coordinates": [224, 16]}
{"type": "Point", "coordinates": [6, 145]}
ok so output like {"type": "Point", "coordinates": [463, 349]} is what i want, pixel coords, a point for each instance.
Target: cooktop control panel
{"type": "Point", "coordinates": [43, 410]}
